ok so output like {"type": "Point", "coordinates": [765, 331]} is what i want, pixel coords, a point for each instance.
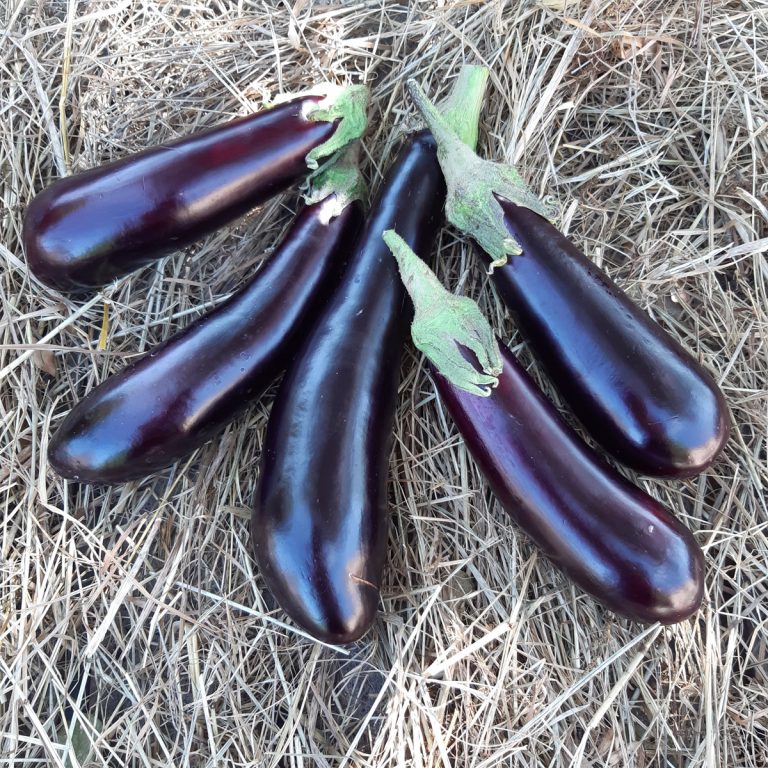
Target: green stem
{"type": "Point", "coordinates": [442, 323]}
{"type": "Point", "coordinates": [461, 110]}
{"type": "Point", "coordinates": [346, 103]}
{"type": "Point", "coordinates": [474, 184]}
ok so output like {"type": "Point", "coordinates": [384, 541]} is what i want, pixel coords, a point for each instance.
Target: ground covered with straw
{"type": "Point", "coordinates": [134, 627]}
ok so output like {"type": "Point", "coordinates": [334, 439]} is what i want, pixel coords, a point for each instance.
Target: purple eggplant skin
{"type": "Point", "coordinates": [320, 522]}
{"type": "Point", "coordinates": [87, 229]}
{"type": "Point", "coordinates": [612, 539]}
{"type": "Point", "coordinates": [175, 398]}
{"type": "Point", "coordinates": [632, 386]}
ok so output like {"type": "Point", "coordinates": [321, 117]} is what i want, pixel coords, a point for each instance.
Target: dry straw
{"type": "Point", "coordinates": [134, 630]}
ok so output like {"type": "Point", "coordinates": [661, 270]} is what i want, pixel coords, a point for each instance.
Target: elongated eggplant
{"type": "Point", "coordinates": [635, 389]}
{"type": "Point", "coordinates": [86, 229]}
{"type": "Point", "coordinates": [612, 539]}
{"type": "Point", "coordinates": [172, 400]}
{"type": "Point", "coordinates": [320, 522]}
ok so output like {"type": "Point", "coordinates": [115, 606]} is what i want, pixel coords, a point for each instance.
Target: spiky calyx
{"type": "Point", "coordinates": [475, 184]}
{"type": "Point", "coordinates": [346, 103]}
{"type": "Point", "coordinates": [443, 323]}
{"type": "Point", "coordinates": [340, 178]}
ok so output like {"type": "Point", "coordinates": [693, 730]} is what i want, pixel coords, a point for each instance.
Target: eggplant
{"type": "Point", "coordinates": [87, 229]}
{"type": "Point", "coordinates": [631, 384]}
{"type": "Point", "coordinates": [643, 397]}
{"type": "Point", "coordinates": [611, 539]}
{"type": "Point", "coordinates": [320, 520]}
{"type": "Point", "coordinates": [175, 398]}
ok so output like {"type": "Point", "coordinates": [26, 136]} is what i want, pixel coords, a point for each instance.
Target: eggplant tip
{"type": "Point", "coordinates": [341, 628]}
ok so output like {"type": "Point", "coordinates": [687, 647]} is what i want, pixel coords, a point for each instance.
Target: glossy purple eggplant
{"type": "Point", "coordinates": [636, 390]}
{"type": "Point", "coordinates": [320, 522]}
{"type": "Point", "coordinates": [86, 229]}
{"type": "Point", "coordinates": [172, 400]}
{"type": "Point", "coordinates": [614, 541]}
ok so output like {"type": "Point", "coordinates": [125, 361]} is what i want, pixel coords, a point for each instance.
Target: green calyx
{"type": "Point", "coordinates": [442, 322]}
{"type": "Point", "coordinates": [340, 178]}
{"type": "Point", "coordinates": [346, 103]}
{"type": "Point", "coordinates": [474, 184]}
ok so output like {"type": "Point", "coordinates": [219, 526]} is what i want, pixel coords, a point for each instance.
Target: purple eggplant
{"type": "Point", "coordinates": [320, 522]}
{"type": "Point", "coordinates": [87, 229]}
{"type": "Point", "coordinates": [635, 389]}
{"type": "Point", "coordinates": [613, 540]}
{"type": "Point", "coordinates": [174, 399]}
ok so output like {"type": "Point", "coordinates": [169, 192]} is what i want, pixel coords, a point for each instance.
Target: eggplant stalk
{"type": "Point", "coordinates": [473, 184]}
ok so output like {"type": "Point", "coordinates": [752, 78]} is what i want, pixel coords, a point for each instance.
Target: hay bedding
{"type": "Point", "coordinates": [133, 628]}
